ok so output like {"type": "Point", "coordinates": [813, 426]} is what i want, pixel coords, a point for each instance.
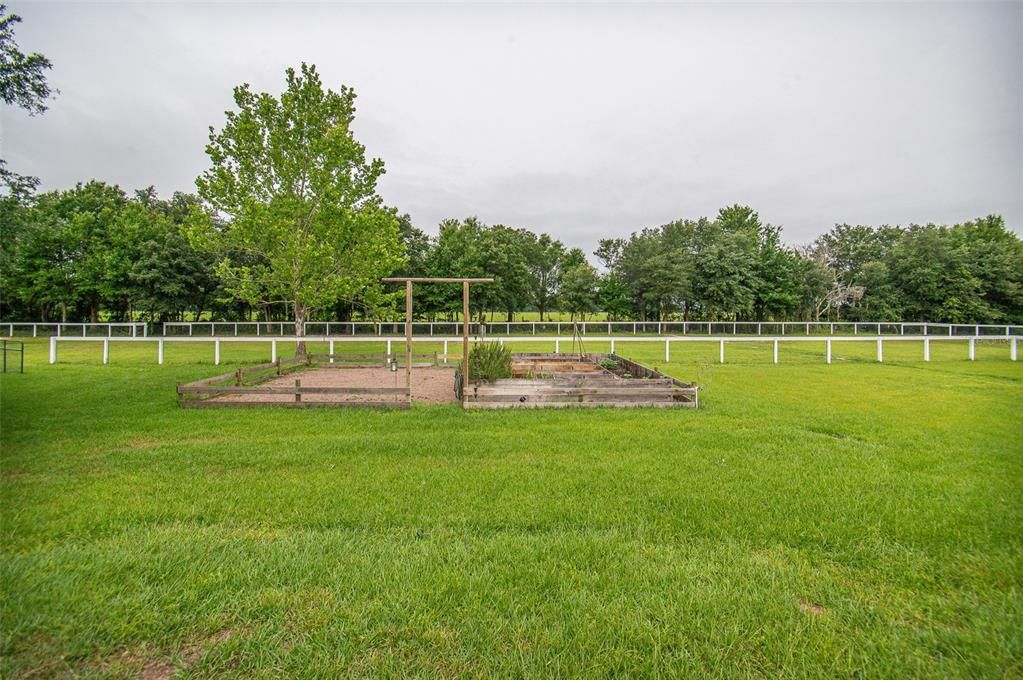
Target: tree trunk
{"type": "Point", "coordinates": [300, 314]}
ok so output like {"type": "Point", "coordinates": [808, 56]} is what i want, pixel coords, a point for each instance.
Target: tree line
{"type": "Point", "coordinates": [94, 252]}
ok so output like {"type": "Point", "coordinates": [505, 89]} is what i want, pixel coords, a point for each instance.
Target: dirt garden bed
{"type": "Point", "coordinates": [315, 380]}
{"type": "Point", "coordinates": [558, 380]}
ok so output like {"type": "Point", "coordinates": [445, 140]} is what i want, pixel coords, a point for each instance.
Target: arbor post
{"type": "Point", "coordinates": [408, 336]}
{"type": "Point", "coordinates": [465, 340]}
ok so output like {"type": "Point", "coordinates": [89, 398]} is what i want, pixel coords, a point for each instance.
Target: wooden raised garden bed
{"type": "Point", "coordinates": [331, 380]}
{"type": "Point", "coordinates": [557, 380]}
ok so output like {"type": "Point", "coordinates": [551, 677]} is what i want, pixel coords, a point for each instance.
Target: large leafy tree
{"type": "Point", "coordinates": [290, 187]}
{"type": "Point", "coordinates": [22, 84]}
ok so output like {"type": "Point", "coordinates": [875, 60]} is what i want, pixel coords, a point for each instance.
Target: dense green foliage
{"type": "Point", "coordinates": [489, 361]}
{"type": "Point", "coordinates": [73, 254]}
{"type": "Point", "coordinates": [851, 520]}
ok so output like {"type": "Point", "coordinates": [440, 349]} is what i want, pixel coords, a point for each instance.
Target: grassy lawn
{"type": "Point", "coordinates": [854, 519]}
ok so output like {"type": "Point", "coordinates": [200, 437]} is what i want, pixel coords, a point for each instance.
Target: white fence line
{"type": "Point", "coordinates": [381, 329]}
{"type": "Point", "coordinates": [662, 328]}
{"type": "Point", "coordinates": [135, 328]}
{"type": "Point", "coordinates": [556, 340]}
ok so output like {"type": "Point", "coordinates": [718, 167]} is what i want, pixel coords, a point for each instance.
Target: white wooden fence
{"type": "Point", "coordinates": [536, 329]}
{"type": "Point", "coordinates": [541, 328]}
{"type": "Point", "coordinates": [557, 341]}
{"type": "Point", "coordinates": [44, 328]}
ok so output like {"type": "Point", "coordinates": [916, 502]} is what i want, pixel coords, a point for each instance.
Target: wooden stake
{"type": "Point", "coordinates": [408, 335]}
{"type": "Point", "coordinates": [465, 340]}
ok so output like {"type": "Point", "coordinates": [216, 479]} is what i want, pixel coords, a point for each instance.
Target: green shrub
{"type": "Point", "coordinates": [489, 361]}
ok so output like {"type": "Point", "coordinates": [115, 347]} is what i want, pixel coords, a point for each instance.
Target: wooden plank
{"type": "Point", "coordinates": [427, 279]}
{"type": "Point", "coordinates": [267, 389]}
{"type": "Point", "coordinates": [214, 403]}
{"type": "Point", "coordinates": [591, 404]}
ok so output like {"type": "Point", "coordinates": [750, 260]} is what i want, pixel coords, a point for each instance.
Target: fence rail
{"type": "Point", "coordinates": [381, 329]}
{"type": "Point", "coordinates": [535, 328]}
{"type": "Point", "coordinates": [46, 329]}
{"type": "Point", "coordinates": [926, 340]}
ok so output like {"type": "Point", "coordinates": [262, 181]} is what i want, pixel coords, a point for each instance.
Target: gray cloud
{"type": "Point", "coordinates": [581, 120]}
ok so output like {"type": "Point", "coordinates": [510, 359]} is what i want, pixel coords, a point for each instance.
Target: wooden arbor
{"type": "Point", "coordinates": [408, 281]}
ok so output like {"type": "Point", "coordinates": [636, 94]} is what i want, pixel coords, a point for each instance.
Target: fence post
{"type": "Point", "coordinates": [880, 350]}
{"type": "Point", "coordinates": [159, 351]}
{"type": "Point", "coordinates": [667, 350]}
{"type": "Point", "coordinates": [53, 347]}
{"type": "Point", "coordinates": [856, 328]}
{"type": "Point", "coordinates": [216, 352]}
{"type": "Point", "coordinates": [925, 329]}
{"type": "Point", "coordinates": [927, 349]}
{"type": "Point", "coordinates": [557, 344]}
{"type": "Point", "coordinates": [973, 349]}
{"type": "Point", "coordinates": [106, 350]}
{"type": "Point", "coordinates": [330, 350]}
{"type": "Point", "coordinates": [829, 350]}
{"type": "Point", "coordinates": [1012, 349]}
{"type": "Point", "coordinates": [34, 330]}
{"type": "Point", "coordinates": [83, 330]}
{"type": "Point", "coordinates": [612, 345]}
{"type": "Point", "coordinates": [776, 350]}
{"type": "Point", "coordinates": [721, 351]}
{"type": "Point", "coordinates": [388, 349]}
{"type": "Point", "coordinates": [950, 330]}
{"type": "Point", "coordinates": [445, 351]}
{"type": "Point", "coordinates": [273, 350]}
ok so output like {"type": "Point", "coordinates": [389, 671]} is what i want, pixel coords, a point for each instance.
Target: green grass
{"type": "Point", "coordinates": [855, 519]}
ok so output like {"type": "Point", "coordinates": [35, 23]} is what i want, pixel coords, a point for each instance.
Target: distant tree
{"type": "Point", "coordinates": [294, 190]}
{"type": "Point", "coordinates": [545, 260]}
{"type": "Point", "coordinates": [609, 252]}
{"type": "Point", "coordinates": [22, 84]}
{"type": "Point", "coordinates": [613, 297]}
{"type": "Point", "coordinates": [579, 288]}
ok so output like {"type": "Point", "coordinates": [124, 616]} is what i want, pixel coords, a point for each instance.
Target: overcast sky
{"type": "Point", "coordinates": [585, 121]}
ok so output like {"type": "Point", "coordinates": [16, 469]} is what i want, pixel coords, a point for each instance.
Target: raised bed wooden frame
{"type": "Point", "coordinates": [202, 393]}
{"type": "Point", "coordinates": [559, 381]}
